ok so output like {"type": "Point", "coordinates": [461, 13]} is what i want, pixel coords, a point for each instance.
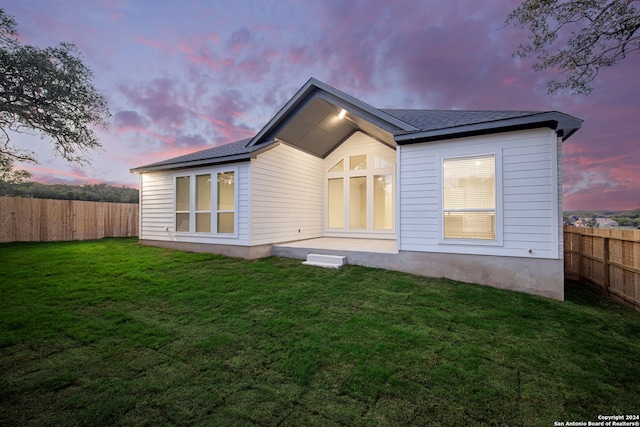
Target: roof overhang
{"type": "Point", "coordinates": [319, 118]}
{"type": "Point", "coordinates": [193, 164]}
{"type": "Point", "coordinates": [563, 124]}
{"type": "Point", "coordinates": [205, 161]}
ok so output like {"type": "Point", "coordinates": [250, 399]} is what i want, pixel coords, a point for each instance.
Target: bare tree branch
{"type": "Point", "coordinates": [577, 37]}
{"type": "Point", "coordinates": [47, 92]}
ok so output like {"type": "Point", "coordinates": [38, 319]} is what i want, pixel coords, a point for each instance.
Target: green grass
{"type": "Point", "coordinates": [112, 333]}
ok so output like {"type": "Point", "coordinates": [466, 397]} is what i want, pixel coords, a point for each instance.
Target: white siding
{"type": "Point", "coordinates": [286, 196]}
{"type": "Point", "coordinates": [157, 208]}
{"type": "Point", "coordinates": [529, 202]}
{"type": "Point", "coordinates": [359, 143]}
{"type": "Point", "coordinates": [156, 205]}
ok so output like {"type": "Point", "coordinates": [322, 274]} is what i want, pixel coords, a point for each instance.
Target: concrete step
{"type": "Point", "coordinates": [326, 261]}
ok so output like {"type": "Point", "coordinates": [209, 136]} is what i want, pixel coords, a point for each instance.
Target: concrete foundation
{"type": "Point", "coordinates": [247, 252]}
{"type": "Point", "coordinates": [544, 277]}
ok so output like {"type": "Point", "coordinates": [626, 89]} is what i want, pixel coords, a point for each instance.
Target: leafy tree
{"type": "Point", "coordinates": [577, 37]}
{"type": "Point", "coordinates": [593, 223]}
{"type": "Point", "coordinates": [46, 92]}
{"type": "Point", "coordinates": [88, 192]}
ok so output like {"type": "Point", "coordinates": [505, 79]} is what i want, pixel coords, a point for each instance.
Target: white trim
{"type": "Point", "coordinates": [397, 198]}
{"type": "Point", "coordinates": [140, 205]}
{"type": "Point", "coordinates": [556, 191]}
{"type": "Point", "coordinates": [369, 174]}
{"type": "Point", "coordinates": [458, 154]}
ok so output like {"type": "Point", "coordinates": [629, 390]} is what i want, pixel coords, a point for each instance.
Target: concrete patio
{"type": "Point", "coordinates": [334, 244]}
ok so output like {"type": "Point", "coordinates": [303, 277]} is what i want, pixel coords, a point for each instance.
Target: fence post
{"type": "Point", "coordinates": [580, 255]}
{"type": "Point", "coordinates": [605, 266]}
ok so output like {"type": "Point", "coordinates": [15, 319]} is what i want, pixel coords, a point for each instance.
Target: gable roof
{"type": "Point", "coordinates": [312, 121]}
{"type": "Point", "coordinates": [315, 89]}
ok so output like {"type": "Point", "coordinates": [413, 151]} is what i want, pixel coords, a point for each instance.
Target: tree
{"type": "Point", "coordinates": [47, 92]}
{"type": "Point", "coordinates": [577, 37]}
{"type": "Point", "coordinates": [592, 223]}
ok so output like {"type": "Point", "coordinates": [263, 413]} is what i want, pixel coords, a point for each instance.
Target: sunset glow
{"type": "Point", "coordinates": [184, 76]}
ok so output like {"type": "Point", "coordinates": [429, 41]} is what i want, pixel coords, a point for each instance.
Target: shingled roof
{"type": "Point", "coordinates": [426, 120]}
{"type": "Point", "coordinates": [446, 124]}
{"type": "Point", "coordinates": [406, 126]}
{"type": "Point", "coordinates": [227, 153]}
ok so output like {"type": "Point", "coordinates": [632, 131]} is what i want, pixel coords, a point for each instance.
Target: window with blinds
{"type": "Point", "coordinates": [469, 198]}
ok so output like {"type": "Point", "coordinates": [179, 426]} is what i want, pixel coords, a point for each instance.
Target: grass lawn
{"type": "Point", "coordinates": [112, 333]}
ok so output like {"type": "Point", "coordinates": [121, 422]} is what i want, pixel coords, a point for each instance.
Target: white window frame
{"type": "Point", "coordinates": [214, 201]}
{"type": "Point", "coordinates": [497, 155]}
{"type": "Point", "coordinates": [214, 206]}
{"type": "Point", "coordinates": [369, 173]}
{"type": "Point", "coordinates": [196, 211]}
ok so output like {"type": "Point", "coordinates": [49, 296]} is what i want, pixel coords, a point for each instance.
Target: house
{"type": "Point", "coordinates": [607, 223]}
{"type": "Point", "coordinates": [599, 222]}
{"type": "Point", "coordinates": [469, 195]}
{"type": "Point", "coordinates": [572, 220]}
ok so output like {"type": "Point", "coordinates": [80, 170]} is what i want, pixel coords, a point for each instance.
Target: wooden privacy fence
{"type": "Point", "coordinates": [608, 258]}
{"type": "Point", "coordinates": [43, 220]}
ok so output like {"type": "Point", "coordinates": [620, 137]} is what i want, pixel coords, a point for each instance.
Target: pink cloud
{"type": "Point", "coordinates": [152, 43]}
{"type": "Point", "coordinates": [159, 99]}
{"type": "Point", "coordinates": [125, 121]}
{"type": "Point", "coordinates": [56, 176]}
{"type": "Point", "coordinates": [240, 40]}
{"type": "Point", "coordinates": [201, 74]}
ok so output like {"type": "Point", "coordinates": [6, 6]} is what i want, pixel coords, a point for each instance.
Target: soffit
{"type": "Point", "coordinates": [317, 128]}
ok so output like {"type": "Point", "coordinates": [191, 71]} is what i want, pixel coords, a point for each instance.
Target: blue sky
{"type": "Point", "coordinates": [180, 76]}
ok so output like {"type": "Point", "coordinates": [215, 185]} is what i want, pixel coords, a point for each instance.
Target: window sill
{"type": "Point", "coordinates": [470, 242]}
{"type": "Point", "coordinates": [206, 235]}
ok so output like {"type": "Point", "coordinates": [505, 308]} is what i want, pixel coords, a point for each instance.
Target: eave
{"type": "Point", "coordinates": [563, 124]}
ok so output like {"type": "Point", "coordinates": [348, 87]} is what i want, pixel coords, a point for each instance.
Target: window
{"type": "Point", "coordinates": [194, 208]}
{"type": "Point", "coordinates": [360, 193]}
{"type": "Point", "coordinates": [183, 203]}
{"type": "Point", "coordinates": [203, 203]}
{"type": "Point", "coordinates": [226, 202]}
{"type": "Point", "coordinates": [469, 198]}
{"type": "Point", "coordinates": [358, 202]}
{"type": "Point", "coordinates": [338, 167]}
{"type": "Point", "coordinates": [382, 202]}
{"type": "Point", "coordinates": [335, 203]}
{"type": "Point", "coordinates": [358, 162]}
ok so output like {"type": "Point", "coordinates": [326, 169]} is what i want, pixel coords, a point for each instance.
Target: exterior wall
{"type": "Point", "coordinates": [157, 207]}
{"type": "Point", "coordinates": [286, 196]}
{"type": "Point", "coordinates": [528, 211]}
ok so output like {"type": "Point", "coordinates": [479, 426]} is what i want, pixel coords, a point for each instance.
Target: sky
{"type": "Point", "coordinates": [181, 76]}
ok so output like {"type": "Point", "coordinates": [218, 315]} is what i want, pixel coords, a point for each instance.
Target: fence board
{"type": "Point", "coordinates": [44, 220]}
{"type": "Point", "coordinates": [607, 258]}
